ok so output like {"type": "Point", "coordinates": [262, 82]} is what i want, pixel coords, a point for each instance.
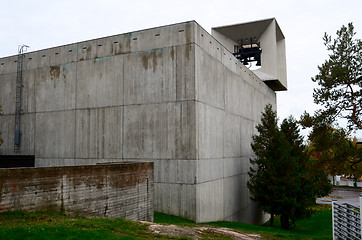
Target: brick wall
{"type": "Point", "coordinates": [111, 190]}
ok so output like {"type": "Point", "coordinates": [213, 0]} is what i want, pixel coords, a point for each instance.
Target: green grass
{"type": "Point", "coordinates": [319, 226]}
{"type": "Point", "coordinates": [51, 225]}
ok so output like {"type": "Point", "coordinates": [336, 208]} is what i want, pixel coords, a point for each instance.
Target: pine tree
{"type": "Point", "coordinates": [308, 182]}
{"type": "Point", "coordinates": [271, 149]}
{"type": "Point", "coordinates": [340, 80]}
{"type": "Point", "coordinates": [281, 179]}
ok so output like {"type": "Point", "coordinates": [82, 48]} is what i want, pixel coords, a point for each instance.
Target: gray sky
{"type": "Point", "coordinates": [45, 23]}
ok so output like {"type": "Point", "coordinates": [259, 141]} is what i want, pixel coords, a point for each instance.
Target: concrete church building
{"type": "Point", "coordinates": [174, 95]}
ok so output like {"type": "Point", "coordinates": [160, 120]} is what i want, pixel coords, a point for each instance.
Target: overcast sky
{"type": "Point", "coordinates": [43, 24]}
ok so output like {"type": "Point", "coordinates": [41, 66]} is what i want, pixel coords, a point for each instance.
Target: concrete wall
{"type": "Point", "coordinates": [171, 95]}
{"type": "Point", "coordinates": [110, 190]}
{"type": "Point", "coordinates": [229, 102]}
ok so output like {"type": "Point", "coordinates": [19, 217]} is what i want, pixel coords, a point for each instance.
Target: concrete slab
{"type": "Point", "coordinates": [55, 87]}
{"type": "Point", "coordinates": [7, 93]}
{"type": "Point", "coordinates": [27, 138]}
{"type": "Point", "coordinates": [210, 201]}
{"type": "Point", "coordinates": [54, 134]}
{"type": "Point", "coordinates": [98, 84]}
{"type": "Point", "coordinates": [92, 125]}
{"type": "Point", "coordinates": [175, 171]}
{"type": "Point", "coordinates": [159, 131]}
{"type": "Point", "coordinates": [208, 75]}
{"type": "Point", "coordinates": [210, 131]}
{"type": "Point", "coordinates": [183, 194]}
{"type": "Point", "coordinates": [155, 72]}
{"type": "Point", "coordinates": [209, 170]}
{"type": "Point", "coordinates": [232, 140]}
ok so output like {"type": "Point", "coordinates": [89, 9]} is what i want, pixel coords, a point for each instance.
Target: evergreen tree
{"type": "Point", "coordinates": [266, 184]}
{"type": "Point", "coordinates": [281, 180]}
{"type": "Point", "coordinates": [310, 182]}
{"type": "Point", "coordinates": [340, 80]}
{"type": "Point", "coordinates": [339, 92]}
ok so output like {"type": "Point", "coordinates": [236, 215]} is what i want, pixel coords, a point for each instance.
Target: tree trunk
{"type": "Point", "coordinates": [355, 181]}
{"type": "Point", "coordinates": [284, 221]}
{"type": "Point", "coordinates": [272, 220]}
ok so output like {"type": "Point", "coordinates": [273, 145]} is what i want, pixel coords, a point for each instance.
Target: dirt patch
{"type": "Point", "coordinates": [198, 232]}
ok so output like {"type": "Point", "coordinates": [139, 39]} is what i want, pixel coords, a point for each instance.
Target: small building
{"type": "Point", "coordinates": [174, 95]}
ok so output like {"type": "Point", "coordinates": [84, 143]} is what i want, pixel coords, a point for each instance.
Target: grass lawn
{"type": "Point", "coordinates": [51, 225]}
{"type": "Point", "coordinates": [319, 226]}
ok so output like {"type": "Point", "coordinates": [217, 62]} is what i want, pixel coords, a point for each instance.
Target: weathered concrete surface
{"type": "Point", "coordinates": [115, 190]}
{"type": "Point", "coordinates": [171, 95]}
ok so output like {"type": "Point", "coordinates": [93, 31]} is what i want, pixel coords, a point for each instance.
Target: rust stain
{"type": "Point", "coordinates": [120, 47]}
{"type": "Point", "coordinates": [89, 52]}
{"type": "Point", "coordinates": [172, 53]}
{"type": "Point", "coordinates": [145, 60]}
{"type": "Point", "coordinates": [64, 69]}
{"type": "Point", "coordinates": [112, 49]}
{"type": "Point", "coordinates": [54, 72]}
{"type": "Point", "coordinates": [128, 43]}
{"type": "Point", "coordinates": [153, 57]}
{"type": "Point", "coordinates": [154, 61]}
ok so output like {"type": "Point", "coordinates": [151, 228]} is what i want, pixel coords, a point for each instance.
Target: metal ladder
{"type": "Point", "coordinates": [19, 86]}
